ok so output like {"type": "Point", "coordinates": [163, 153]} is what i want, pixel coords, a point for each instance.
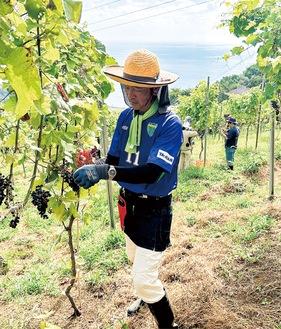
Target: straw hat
{"type": "Point", "coordinates": [141, 69]}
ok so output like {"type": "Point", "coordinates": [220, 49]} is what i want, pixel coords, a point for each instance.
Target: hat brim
{"type": "Point", "coordinates": [116, 73]}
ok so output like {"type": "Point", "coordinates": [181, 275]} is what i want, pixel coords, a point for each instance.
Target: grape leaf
{"type": "Point", "coordinates": [24, 79]}
{"type": "Point", "coordinates": [73, 10]}
{"type": "Point", "coordinates": [5, 8]}
{"type": "Point", "coordinates": [34, 8]}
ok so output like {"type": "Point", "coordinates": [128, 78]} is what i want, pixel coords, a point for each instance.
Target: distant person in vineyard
{"type": "Point", "coordinates": [143, 158]}
{"type": "Point", "coordinates": [188, 141]}
{"type": "Point", "coordinates": [231, 139]}
{"type": "Point", "coordinates": [226, 116]}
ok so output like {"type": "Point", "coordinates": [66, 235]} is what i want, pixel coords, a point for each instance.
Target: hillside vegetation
{"type": "Point", "coordinates": [222, 272]}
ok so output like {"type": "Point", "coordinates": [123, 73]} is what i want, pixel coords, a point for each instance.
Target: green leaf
{"type": "Point", "coordinates": [51, 52]}
{"type": "Point", "coordinates": [40, 180]}
{"type": "Point", "coordinates": [52, 137]}
{"type": "Point", "coordinates": [10, 104]}
{"type": "Point", "coordinates": [73, 210]}
{"type": "Point", "coordinates": [269, 91]}
{"type": "Point", "coordinates": [93, 189]}
{"type": "Point", "coordinates": [74, 129]}
{"type": "Point", "coordinates": [253, 39]}
{"type": "Point", "coordinates": [10, 142]}
{"type": "Point", "coordinates": [24, 78]}
{"type": "Point", "coordinates": [3, 50]}
{"type": "Point", "coordinates": [52, 176]}
{"type": "Point", "coordinates": [43, 105]}
{"type": "Point", "coordinates": [73, 10]}
{"type": "Point", "coordinates": [6, 7]}
{"type": "Point", "coordinates": [276, 62]}
{"type": "Point", "coordinates": [87, 218]}
{"type": "Point", "coordinates": [92, 88]}
{"type": "Point", "coordinates": [70, 196]}
{"type": "Point", "coordinates": [226, 57]}
{"type": "Point", "coordinates": [262, 61]}
{"type": "Point", "coordinates": [237, 50]}
{"type": "Point", "coordinates": [68, 148]}
{"type": "Point", "coordinates": [18, 22]}
{"type": "Point", "coordinates": [34, 8]}
{"type": "Point", "coordinates": [10, 159]}
{"type": "Point", "coordinates": [58, 209]}
{"type": "Point", "coordinates": [91, 115]}
{"type": "Point", "coordinates": [84, 194]}
{"type": "Point", "coordinates": [22, 159]}
{"type": "Point", "coordinates": [35, 119]}
{"type": "Point", "coordinates": [59, 7]}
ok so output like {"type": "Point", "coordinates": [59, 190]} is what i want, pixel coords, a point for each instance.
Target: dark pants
{"type": "Point", "coordinates": [148, 221]}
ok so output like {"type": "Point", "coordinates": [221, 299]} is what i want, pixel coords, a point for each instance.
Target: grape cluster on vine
{"type": "Point", "coordinates": [7, 196]}
{"type": "Point", "coordinates": [68, 178]}
{"type": "Point", "coordinates": [6, 190]}
{"type": "Point", "coordinates": [40, 199]}
{"type": "Point", "coordinates": [16, 218]}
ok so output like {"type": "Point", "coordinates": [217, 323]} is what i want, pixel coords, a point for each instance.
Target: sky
{"type": "Point", "coordinates": [129, 23]}
{"type": "Point", "coordinates": [159, 20]}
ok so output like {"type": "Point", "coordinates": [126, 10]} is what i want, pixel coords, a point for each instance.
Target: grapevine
{"type": "Point", "coordinates": [40, 199]}
{"type": "Point", "coordinates": [55, 112]}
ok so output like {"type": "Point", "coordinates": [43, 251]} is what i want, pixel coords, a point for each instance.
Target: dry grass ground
{"type": "Point", "coordinates": [213, 282]}
{"type": "Point", "coordinates": [208, 288]}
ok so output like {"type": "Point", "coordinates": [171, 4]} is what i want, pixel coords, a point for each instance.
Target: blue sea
{"type": "Point", "coordinates": [192, 63]}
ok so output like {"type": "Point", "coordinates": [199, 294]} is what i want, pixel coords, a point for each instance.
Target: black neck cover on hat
{"type": "Point", "coordinates": [164, 100]}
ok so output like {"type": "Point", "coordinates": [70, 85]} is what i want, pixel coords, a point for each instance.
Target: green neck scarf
{"type": "Point", "coordinates": [135, 128]}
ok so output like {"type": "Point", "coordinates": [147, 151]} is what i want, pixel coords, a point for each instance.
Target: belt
{"type": "Point", "coordinates": [127, 193]}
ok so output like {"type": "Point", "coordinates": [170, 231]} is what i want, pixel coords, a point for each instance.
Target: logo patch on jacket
{"type": "Point", "coordinates": [151, 127]}
{"type": "Point", "coordinates": [165, 156]}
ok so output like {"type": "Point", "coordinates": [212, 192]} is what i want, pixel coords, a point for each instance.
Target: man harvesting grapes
{"type": "Point", "coordinates": [143, 158]}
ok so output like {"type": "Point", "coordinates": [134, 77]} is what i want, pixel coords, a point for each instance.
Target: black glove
{"type": "Point", "coordinates": [89, 175]}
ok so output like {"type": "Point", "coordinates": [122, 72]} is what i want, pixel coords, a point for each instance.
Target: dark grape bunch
{"type": "Point", "coordinates": [40, 199]}
{"type": "Point", "coordinates": [68, 178]}
{"type": "Point", "coordinates": [14, 222]}
{"type": "Point", "coordinates": [6, 195]}
{"type": "Point", "coordinates": [6, 190]}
